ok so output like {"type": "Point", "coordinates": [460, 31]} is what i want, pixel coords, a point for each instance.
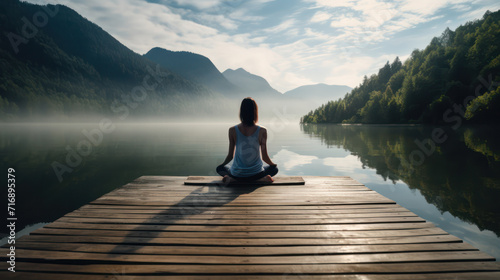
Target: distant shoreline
{"type": "Point", "coordinates": [382, 124]}
{"type": "Point", "coordinates": [370, 124]}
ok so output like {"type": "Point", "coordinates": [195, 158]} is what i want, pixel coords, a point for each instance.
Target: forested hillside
{"type": "Point", "coordinates": [454, 79]}
{"type": "Point", "coordinates": [55, 63]}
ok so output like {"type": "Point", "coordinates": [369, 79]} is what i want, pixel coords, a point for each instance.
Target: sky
{"type": "Point", "coordinates": [290, 43]}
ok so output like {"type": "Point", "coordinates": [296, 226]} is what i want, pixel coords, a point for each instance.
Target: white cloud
{"type": "Point", "coordinates": [375, 20]}
{"type": "Point", "coordinates": [315, 41]}
{"type": "Point", "coordinates": [477, 13]}
{"type": "Point", "coordinates": [204, 4]}
{"type": "Point", "coordinates": [335, 3]}
{"type": "Point", "coordinates": [243, 15]}
{"type": "Point", "coordinates": [427, 7]}
{"type": "Point", "coordinates": [281, 27]}
{"type": "Point", "coordinates": [209, 19]}
{"type": "Point", "coordinates": [346, 22]}
{"type": "Point", "coordinates": [321, 16]}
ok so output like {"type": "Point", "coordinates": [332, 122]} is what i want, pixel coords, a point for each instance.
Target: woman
{"type": "Point", "coordinates": [249, 140]}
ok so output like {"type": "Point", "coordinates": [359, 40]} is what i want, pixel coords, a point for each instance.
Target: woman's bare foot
{"type": "Point", "coordinates": [227, 179]}
{"type": "Point", "coordinates": [267, 179]}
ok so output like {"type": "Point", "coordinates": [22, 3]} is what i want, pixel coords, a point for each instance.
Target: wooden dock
{"type": "Point", "coordinates": [158, 228]}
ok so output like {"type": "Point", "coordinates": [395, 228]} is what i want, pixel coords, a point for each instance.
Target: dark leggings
{"type": "Point", "coordinates": [270, 170]}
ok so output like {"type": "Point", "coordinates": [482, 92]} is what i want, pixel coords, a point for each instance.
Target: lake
{"type": "Point", "coordinates": [448, 177]}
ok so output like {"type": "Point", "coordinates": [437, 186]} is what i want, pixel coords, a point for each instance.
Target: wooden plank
{"type": "Point", "coordinates": [203, 216]}
{"type": "Point", "coordinates": [218, 203]}
{"type": "Point", "coordinates": [186, 220]}
{"type": "Point", "coordinates": [244, 251]}
{"type": "Point", "coordinates": [289, 276]}
{"type": "Point", "coordinates": [180, 185]}
{"type": "Point", "coordinates": [217, 180]}
{"type": "Point", "coordinates": [242, 241]}
{"type": "Point", "coordinates": [240, 234]}
{"type": "Point", "coordinates": [27, 254]}
{"type": "Point", "coordinates": [200, 199]}
{"type": "Point", "coordinates": [321, 197]}
{"type": "Point", "coordinates": [238, 208]}
{"type": "Point", "coordinates": [237, 189]}
{"type": "Point", "coordinates": [273, 269]}
{"type": "Point", "coordinates": [222, 211]}
{"type": "Point", "coordinates": [341, 196]}
{"type": "Point", "coordinates": [244, 189]}
{"type": "Point", "coordinates": [204, 228]}
{"type": "Point", "coordinates": [241, 190]}
{"type": "Point", "coordinates": [225, 195]}
{"type": "Point", "coordinates": [276, 192]}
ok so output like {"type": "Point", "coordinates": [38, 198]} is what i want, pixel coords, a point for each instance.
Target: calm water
{"type": "Point", "coordinates": [455, 185]}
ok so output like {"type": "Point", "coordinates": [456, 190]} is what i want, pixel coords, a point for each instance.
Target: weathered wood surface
{"type": "Point", "coordinates": [158, 228]}
{"type": "Point", "coordinates": [216, 180]}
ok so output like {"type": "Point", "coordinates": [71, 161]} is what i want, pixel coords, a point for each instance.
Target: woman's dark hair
{"type": "Point", "coordinates": [249, 112]}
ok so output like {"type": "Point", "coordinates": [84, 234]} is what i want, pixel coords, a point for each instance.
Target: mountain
{"type": "Point", "coordinates": [318, 93]}
{"type": "Point", "coordinates": [299, 101]}
{"type": "Point", "coordinates": [70, 67]}
{"type": "Point", "coordinates": [454, 80]}
{"type": "Point", "coordinates": [193, 67]}
{"type": "Point", "coordinates": [250, 84]}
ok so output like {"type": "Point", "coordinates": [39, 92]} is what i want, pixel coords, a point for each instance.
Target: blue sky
{"type": "Point", "coordinates": [288, 42]}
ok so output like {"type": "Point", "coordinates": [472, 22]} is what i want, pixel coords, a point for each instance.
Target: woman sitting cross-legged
{"type": "Point", "coordinates": [246, 142]}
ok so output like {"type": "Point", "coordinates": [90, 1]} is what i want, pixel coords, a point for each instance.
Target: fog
{"type": "Point", "coordinates": [194, 110]}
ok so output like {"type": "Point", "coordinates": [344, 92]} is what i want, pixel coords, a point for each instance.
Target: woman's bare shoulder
{"type": "Point", "coordinates": [232, 130]}
{"type": "Point", "coordinates": [262, 133]}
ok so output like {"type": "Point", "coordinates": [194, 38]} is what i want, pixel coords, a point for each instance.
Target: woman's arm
{"type": "Point", "coordinates": [263, 147]}
{"type": "Point", "coordinates": [232, 142]}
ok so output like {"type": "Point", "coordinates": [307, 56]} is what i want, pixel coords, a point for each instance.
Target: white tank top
{"type": "Point", "coordinates": [247, 161]}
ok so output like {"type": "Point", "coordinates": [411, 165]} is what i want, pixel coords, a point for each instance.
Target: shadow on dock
{"type": "Point", "coordinates": [195, 203]}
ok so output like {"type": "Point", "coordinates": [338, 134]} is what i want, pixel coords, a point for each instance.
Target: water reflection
{"type": "Point", "coordinates": [292, 163]}
{"type": "Point", "coordinates": [461, 176]}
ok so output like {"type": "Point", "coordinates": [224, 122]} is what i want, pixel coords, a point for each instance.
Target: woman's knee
{"type": "Point", "coordinates": [275, 170]}
{"type": "Point", "coordinates": [221, 170]}
{"type": "Point", "coordinates": [272, 170]}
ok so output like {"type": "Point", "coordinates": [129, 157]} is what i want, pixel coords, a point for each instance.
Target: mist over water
{"type": "Point", "coordinates": [284, 109]}
{"type": "Point", "coordinates": [456, 187]}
